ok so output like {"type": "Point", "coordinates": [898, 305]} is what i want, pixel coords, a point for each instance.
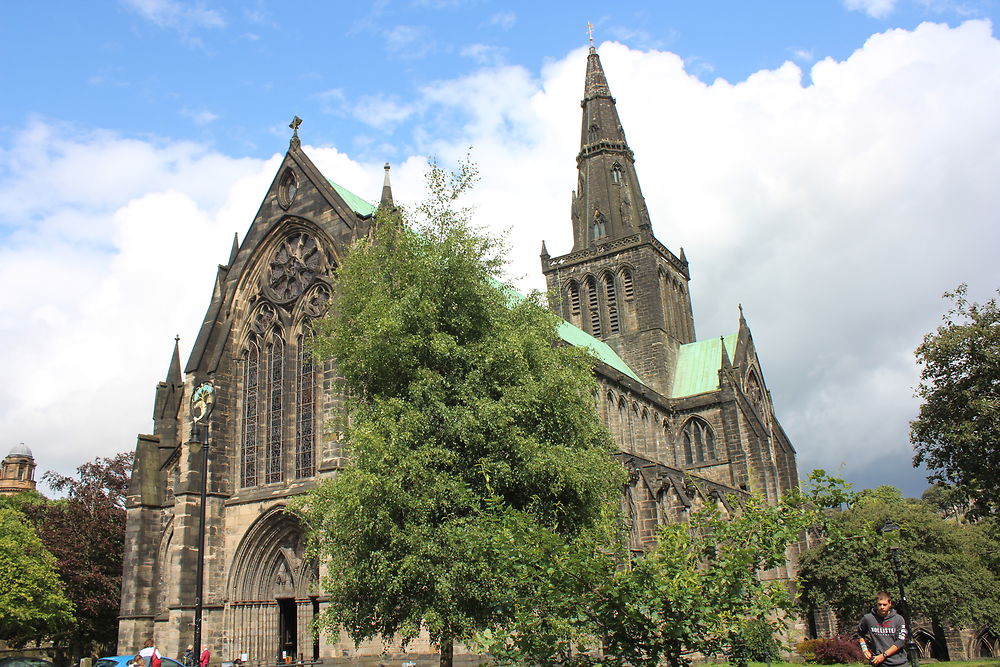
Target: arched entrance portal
{"type": "Point", "coordinates": [272, 593]}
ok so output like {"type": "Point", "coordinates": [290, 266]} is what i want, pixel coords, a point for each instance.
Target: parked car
{"type": "Point", "coordinates": [25, 662]}
{"type": "Point", "coordinates": [117, 661]}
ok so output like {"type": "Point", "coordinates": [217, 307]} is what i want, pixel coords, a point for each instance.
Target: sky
{"type": "Point", "coordinates": [831, 165]}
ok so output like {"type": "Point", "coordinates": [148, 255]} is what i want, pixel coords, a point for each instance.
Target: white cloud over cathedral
{"type": "Point", "coordinates": [836, 211]}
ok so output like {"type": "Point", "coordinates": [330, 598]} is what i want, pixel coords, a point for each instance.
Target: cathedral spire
{"type": "Point", "coordinates": [608, 204]}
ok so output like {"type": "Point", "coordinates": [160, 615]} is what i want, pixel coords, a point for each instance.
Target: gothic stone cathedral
{"type": "Point", "coordinates": [693, 418]}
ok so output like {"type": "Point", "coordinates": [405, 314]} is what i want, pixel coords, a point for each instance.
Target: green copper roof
{"type": "Point", "coordinates": [698, 365]}
{"type": "Point", "coordinates": [357, 204]}
{"type": "Point", "coordinates": [600, 349]}
{"type": "Point", "coordinates": [578, 337]}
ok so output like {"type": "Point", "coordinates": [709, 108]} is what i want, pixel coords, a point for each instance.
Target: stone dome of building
{"type": "Point", "coordinates": [20, 449]}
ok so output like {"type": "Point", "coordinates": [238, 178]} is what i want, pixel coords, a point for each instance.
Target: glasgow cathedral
{"type": "Point", "coordinates": [692, 418]}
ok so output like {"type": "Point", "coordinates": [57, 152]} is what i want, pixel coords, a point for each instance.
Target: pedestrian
{"type": "Point", "coordinates": [882, 634]}
{"type": "Point", "coordinates": [188, 658]}
{"type": "Point", "coordinates": [206, 657]}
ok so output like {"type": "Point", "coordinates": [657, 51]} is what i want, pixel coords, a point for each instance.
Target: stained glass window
{"type": "Point", "coordinates": [275, 366]}
{"type": "Point", "coordinates": [305, 440]}
{"type": "Point", "coordinates": [249, 451]}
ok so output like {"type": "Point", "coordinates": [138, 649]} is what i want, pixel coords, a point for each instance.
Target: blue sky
{"type": "Point", "coordinates": [829, 164]}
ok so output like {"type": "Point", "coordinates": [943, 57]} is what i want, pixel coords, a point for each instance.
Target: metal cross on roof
{"type": "Point", "coordinates": [295, 125]}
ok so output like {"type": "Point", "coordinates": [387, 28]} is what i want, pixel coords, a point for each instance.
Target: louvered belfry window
{"type": "Point", "coordinates": [574, 299]}
{"type": "Point", "coordinates": [612, 301]}
{"type": "Point", "coordinates": [592, 304]}
{"type": "Point", "coordinates": [248, 463]}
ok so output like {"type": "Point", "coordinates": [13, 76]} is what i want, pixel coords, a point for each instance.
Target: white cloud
{"type": "Point", "coordinates": [504, 20]}
{"type": "Point", "coordinates": [484, 54]}
{"type": "Point", "coordinates": [836, 213]}
{"type": "Point", "coordinates": [874, 8]}
{"type": "Point", "coordinates": [199, 116]}
{"type": "Point", "coordinates": [177, 15]}
{"type": "Point", "coordinates": [380, 111]}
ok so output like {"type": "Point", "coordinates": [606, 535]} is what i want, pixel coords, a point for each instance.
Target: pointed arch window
{"type": "Point", "coordinates": [248, 454]}
{"type": "Point", "coordinates": [612, 303]}
{"type": "Point", "coordinates": [305, 434]}
{"type": "Point", "coordinates": [592, 304]}
{"type": "Point", "coordinates": [275, 449]}
{"type": "Point", "coordinates": [617, 174]}
{"type": "Point", "coordinates": [595, 130]}
{"type": "Point", "coordinates": [699, 441]}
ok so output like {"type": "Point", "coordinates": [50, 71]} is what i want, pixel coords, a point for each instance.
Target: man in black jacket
{"type": "Point", "coordinates": [882, 634]}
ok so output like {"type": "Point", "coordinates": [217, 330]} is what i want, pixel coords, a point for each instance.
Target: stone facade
{"type": "Point", "coordinates": [693, 419]}
{"type": "Point", "coordinates": [17, 472]}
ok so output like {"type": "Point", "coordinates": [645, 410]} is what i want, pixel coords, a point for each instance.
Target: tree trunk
{"type": "Point", "coordinates": [940, 639]}
{"type": "Point", "coordinates": [447, 649]}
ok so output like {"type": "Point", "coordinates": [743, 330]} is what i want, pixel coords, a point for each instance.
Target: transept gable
{"type": "Point", "coordinates": [302, 226]}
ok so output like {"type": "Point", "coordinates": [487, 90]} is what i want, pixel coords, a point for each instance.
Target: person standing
{"type": "Point", "coordinates": [882, 634]}
{"type": "Point", "coordinates": [206, 657]}
{"type": "Point", "coordinates": [188, 658]}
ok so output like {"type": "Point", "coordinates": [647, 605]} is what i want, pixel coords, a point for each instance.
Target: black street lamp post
{"type": "Point", "coordinates": [904, 606]}
{"type": "Point", "coordinates": [202, 402]}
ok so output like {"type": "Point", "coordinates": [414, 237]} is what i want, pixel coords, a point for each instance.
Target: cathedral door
{"type": "Point", "coordinates": [287, 629]}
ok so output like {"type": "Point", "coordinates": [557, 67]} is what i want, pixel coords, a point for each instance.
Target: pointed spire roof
{"type": "Point", "coordinates": [545, 251]}
{"type": "Point", "coordinates": [235, 250]}
{"type": "Point", "coordinates": [609, 204]}
{"type": "Point", "coordinates": [386, 188]}
{"type": "Point", "coordinates": [174, 372]}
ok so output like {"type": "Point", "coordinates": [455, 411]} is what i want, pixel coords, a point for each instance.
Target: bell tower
{"type": "Point", "coordinates": [619, 283]}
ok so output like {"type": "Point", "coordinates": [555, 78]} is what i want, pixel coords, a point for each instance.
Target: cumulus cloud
{"type": "Point", "coordinates": [836, 212]}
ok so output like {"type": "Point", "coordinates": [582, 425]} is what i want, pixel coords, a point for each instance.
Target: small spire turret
{"type": "Point", "coordinates": [174, 372]}
{"type": "Point", "coordinates": [386, 188]}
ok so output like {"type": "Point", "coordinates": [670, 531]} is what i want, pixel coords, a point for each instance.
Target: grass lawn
{"type": "Point", "coordinates": [981, 662]}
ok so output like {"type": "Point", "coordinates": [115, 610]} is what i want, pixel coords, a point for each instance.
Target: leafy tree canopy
{"type": "Point", "coordinates": [472, 432]}
{"type": "Point", "coordinates": [698, 590]}
{"type": "Point", "coordinates": [85, 531]}
{"type": "Point", "coordinates": [32, 602]}
{"type": "Point", "coordinates": [957, 433]}
{"type": "Point", "coordinates": [950, 569]}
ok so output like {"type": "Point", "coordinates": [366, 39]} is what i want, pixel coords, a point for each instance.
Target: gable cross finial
{"type": "Point", "coordinates": [295, 143]}
{"type": "Point", "coordinates": [590, 33]}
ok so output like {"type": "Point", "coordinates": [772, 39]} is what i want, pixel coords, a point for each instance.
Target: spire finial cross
{"type": "Point", "coordinates": [295, 143]}
{"type": "Point", "coordinates": [590, 32]}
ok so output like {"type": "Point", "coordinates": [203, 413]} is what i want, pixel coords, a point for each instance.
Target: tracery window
{"type": "Point", "coordinates": [616, 174]}
{"type": "Point", "coordinates": [251, 368]}
{"type": "Point", "coordinates": [699, 441]}
{"type": "Point", "coordinates": [756, 395]}
{"type": "Point", "coordinates": [305, 438]}
{"type": "Point", "coordinates": [275, 449]}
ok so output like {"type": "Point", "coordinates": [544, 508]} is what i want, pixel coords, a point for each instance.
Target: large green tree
{"type": "Point", "coordinates": [957, 433]}
{"type": "Point", "coordinates": [950, 569]}
{"type": "Point", "coordinates": [85, 531]}
{"type": "Point", "coordinates": [472, 432]}
{"type": "Point", "coordinates": [698, 590]}
{"type": "Point", "coordinates": [33, 605]}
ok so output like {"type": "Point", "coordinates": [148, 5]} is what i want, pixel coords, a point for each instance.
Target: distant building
{"type": "Point", "coordinates": [693, 419]}
{"type": "Point", "coordinates": [18, 472]}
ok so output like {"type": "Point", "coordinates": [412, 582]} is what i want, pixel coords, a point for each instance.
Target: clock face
{"type": "Point", "coordinates": [202, 401]}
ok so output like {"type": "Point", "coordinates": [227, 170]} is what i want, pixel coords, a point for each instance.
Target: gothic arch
{"type": "Point", "coordinates": [928, 645]}
{"type": "Point", "coordinates": [611, 310]}
{"type": "Point", "coordinates": [984, 645]}
{"type": "Point", "coordinates": [270, 561]}
{"type": "Point", "coordinates": [164, 562]}
{"type": "Point", "coordinates": [698, 440]}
